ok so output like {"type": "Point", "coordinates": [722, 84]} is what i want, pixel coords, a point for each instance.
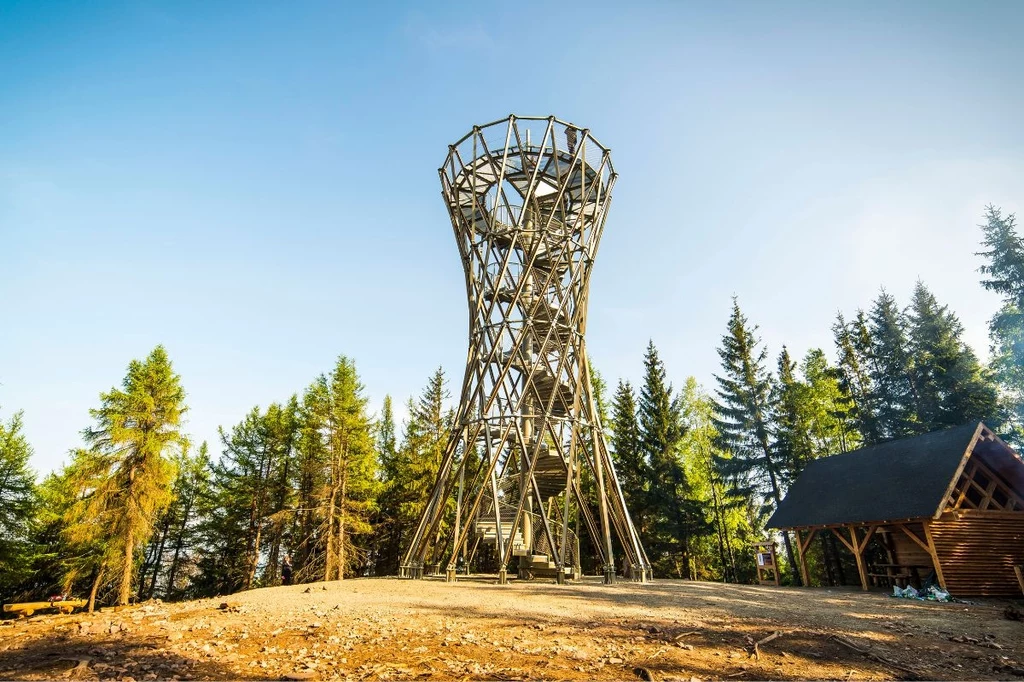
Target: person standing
{"type": "Point", "coordinates": [286, 570]}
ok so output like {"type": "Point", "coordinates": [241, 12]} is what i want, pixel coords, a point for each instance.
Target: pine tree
{"type": "Point", "coordinates": [953, 387]}
{"type": "Point", "coordinates": [745, 415]}
{"type": "Point", "coordinates": [894, 381]}
{"type": "Point", "coordinates": [126, 473]}
{"type": "Point", "coordinates": [1004, 272]}
{"type": "Point", "coordinates": [17, 503]}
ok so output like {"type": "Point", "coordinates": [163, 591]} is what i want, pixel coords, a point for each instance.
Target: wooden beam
{"type": "Point", "coordinates": [835, 531]}
{"type": "Point", "coordinates": [803, 545]}
{"type": "Point", "coordinates": [1019, 570]}
{"type": "Point", "coordinates": [934, 554]}
{"type": "Point", "coordinates": [923, 544]}
{"type": "Point", "coordinates": [857, 549]}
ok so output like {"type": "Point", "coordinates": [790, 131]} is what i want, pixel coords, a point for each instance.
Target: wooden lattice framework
{"type": "Point", "coordinates": [527, 199]}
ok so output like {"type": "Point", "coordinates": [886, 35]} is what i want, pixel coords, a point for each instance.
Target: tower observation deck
{"type": "Point", "coordinates": [527, 470]}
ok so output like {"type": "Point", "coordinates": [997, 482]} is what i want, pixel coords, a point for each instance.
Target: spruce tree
{"type": "Point", "coordinates": [1004, 271]}
{"type": "Point", "coordinates": [952, 386]}
{"type": "Point", "coordinates": [630, 462]}
{"type": "Point", "coordinates": [792, 428]}
{"type": "Point", "coordinates": [744, 416]}
{"type": "Point", "coordinates": [853, 347]}
{"type": "Point", "coordinates": [893, 378]}
{"type": "Point", "coordinates": [125, 475]}
{"type": "Point", "coordinates": [675, 518]}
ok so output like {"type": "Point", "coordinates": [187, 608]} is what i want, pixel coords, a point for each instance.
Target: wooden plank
{"type": "Point", "coordinates": [935, 555]}
{"type": "Point", "coordinates": [959, 470]}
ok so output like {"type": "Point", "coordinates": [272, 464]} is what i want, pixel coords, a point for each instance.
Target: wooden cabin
{"type": "Point", "coordinates": [948, 504]}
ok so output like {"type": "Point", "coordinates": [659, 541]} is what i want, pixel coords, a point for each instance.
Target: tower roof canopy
{"type": "Point", "coordinates": [902, 479]}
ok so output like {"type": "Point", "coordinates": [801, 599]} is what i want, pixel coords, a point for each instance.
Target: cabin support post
{"type": "Point", "coordinates": [934, 553]}
{"type": "Point", "coordinates": [858, 554]}
{"type": "Point", "coordinates": [803, 545]}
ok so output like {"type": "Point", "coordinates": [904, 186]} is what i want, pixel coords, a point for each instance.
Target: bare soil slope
{"type": "Point", "coordinates": [392, 629]}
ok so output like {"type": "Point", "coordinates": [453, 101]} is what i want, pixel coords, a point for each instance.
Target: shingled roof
{"type": "Point", "coordinates": [901, 479]}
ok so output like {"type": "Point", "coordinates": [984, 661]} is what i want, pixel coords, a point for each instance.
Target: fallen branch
{"type": "Point", "coordinates": [757, 652]}
{"type": "Point", "coordinates": [686, 634]}
{"type": "Point", "coordinates": [910, 672]}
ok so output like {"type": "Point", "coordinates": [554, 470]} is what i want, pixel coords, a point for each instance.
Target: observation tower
{"type": "Point", "coordinates": [527, 471]}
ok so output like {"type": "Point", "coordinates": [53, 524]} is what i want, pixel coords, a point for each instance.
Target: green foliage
{"type": "Point", "coordinates": [17, 504]}
{"type": "Point", "coordinates": [952, 386]}
{"type": "Point", "coordinates": [721, 551]}
{"type": "Point", "coordinates": [338, 444]}
{"type": "Point", "coordinates": [1004, 270]}
{"type": "Point", "coordinates": [745, 412]}
{"type": "Point", "coordinates": [894, 384]}
{"type": "Point", "coordinates": [123, 479]}
{"type": "Point", "coordinates": [631, 463]}
{"type": "Point", "coordinates": [411, 470]}
{"type": "Point", "coordinates": [674, 516]}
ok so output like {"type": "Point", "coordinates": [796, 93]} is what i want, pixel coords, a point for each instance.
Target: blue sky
{"type": "Point", "coordinates": [254, 184]}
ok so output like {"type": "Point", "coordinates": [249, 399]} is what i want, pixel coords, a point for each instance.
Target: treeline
{"type": "Point", "coordinates": [139, 511]}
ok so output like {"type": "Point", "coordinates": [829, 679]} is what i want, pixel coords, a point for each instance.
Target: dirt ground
{"type": "Point", "coordinates": [384, 628]}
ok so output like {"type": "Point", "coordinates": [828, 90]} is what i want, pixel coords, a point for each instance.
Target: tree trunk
{"type": "Point", "coordinates": [158, 559]}
{"type": "Point", "coordinates": [125, 593]}
{"type": "Point", "coordinates": [179, 542]}
{"type": "Point", "coordinates": [341, 526]}
{"type": "Point", "coordinates": [95, 589]}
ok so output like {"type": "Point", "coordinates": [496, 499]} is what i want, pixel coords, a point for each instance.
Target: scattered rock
{"type": "Point", "coordinates": [644, 674]}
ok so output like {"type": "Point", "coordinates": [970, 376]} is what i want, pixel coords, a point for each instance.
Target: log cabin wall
{"type": "Point", "coordinates": [907, 551]}
{"type": "Point", "coordinates": [978, 551]}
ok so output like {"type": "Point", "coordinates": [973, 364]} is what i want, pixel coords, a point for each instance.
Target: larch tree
{"type": "Point", "coordinates": [125, 475]}
{"type": "Point", "coordinates": [350, 484]}
{"type": "Point", "coordinates": [17, 503]}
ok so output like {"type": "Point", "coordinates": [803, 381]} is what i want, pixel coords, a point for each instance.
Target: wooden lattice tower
{"type": "Point", "coordinates": [527, 468]}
